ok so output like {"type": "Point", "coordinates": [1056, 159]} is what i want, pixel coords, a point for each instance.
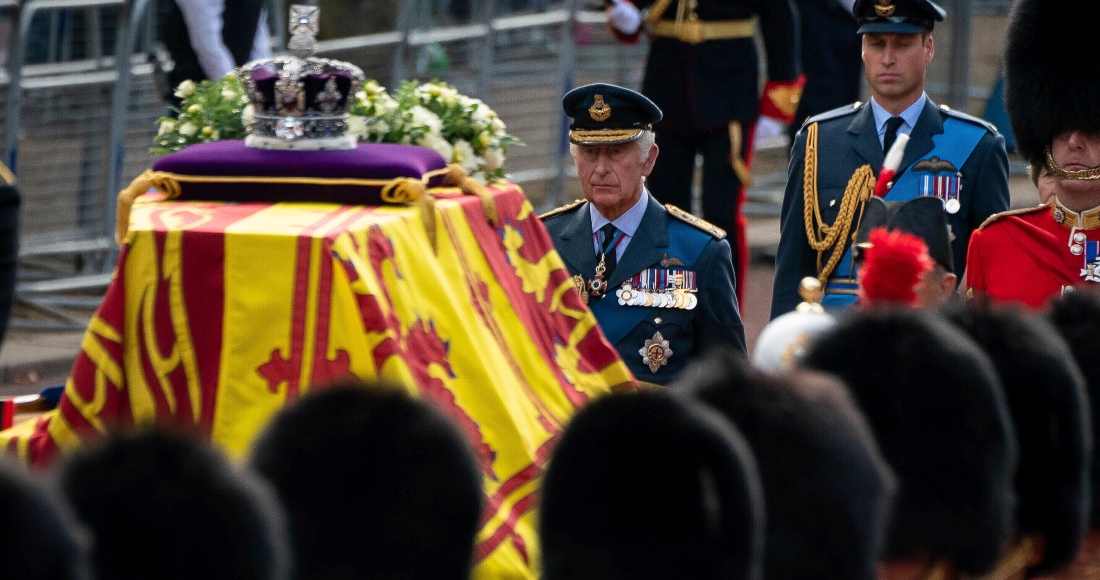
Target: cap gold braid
{"type": "Point", "coordinates": [832, 237]}
{"type": "Point", "coordinates": [1082, 175]}
{"type": "Point", "coordinates": [594, 136]}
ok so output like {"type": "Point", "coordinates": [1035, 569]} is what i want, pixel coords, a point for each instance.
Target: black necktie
{"type": "Point", "coordinates": [609, 234]}
{"type": "Point", "coordinates": [892, 125]}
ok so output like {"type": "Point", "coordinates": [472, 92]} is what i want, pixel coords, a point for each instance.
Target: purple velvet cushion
{"type": "Point", "coordinates": [368, 161]}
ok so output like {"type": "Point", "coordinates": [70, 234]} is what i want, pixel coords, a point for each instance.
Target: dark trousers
{"type": "Point", "coordinates": [723, 195]}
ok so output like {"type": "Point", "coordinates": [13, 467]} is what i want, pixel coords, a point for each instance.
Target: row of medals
{"type": "Point", "coordinates": [680, 298]}
{"type": "Point", "coordinates": [1091, 272]}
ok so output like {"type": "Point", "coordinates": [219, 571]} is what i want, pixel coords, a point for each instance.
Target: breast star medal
{"type": "Point", "coordinates": [655, 353]}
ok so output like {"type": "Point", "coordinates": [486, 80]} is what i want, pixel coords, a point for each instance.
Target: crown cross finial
{"type": "Point", "coordinates": [303, 28]}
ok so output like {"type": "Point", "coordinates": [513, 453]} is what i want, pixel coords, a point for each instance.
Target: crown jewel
{"type": "Point", "coordinates": [301, 101]}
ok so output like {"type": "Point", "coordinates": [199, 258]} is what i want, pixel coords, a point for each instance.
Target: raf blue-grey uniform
{"type": "Point", "coordinates": [950, 155]}
{"type": "Point", "coordinates": [715, 320]}
{"type": "Point", "coordinates": [662, 252]}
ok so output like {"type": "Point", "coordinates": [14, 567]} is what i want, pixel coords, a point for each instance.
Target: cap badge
{"type": "Point", "coordinates": [884, 8]}
{"type": "Point", "coordinates": [599, 110]}
{"type": "Point", "coordinates": [655, 353]}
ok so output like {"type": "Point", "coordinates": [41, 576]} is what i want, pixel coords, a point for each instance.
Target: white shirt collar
{"type": "Point", "coordinates": [909, 116]}
{"type": "Point", "coordinates": [628, 222]}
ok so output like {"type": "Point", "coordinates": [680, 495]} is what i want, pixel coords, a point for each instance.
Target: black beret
{"type": "Point", "coordinates": [376, 484]}
{"type": "Point", "coordinates": [923, 217]}
{"type": "Point", "coordinates": [941, 420]}
{"type": "Point", "coordinates": [651, 486]}
{"type": "Point", "coordinates": [827, 489]}
{"type": "Point", "coordinates": [1049, 406]}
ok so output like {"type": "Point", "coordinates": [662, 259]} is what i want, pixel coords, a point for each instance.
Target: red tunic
{"type": "Point", "coordinates": [1025, 255]}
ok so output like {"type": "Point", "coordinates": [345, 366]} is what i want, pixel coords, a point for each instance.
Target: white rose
{"type": "Point", "coordinates": [439, 144]}
{"type": "Point", "coordinates": [464, 156]}
{"type": "Point", "coordinates": [228, 94]}
{"type": "Point", "coordinates": [483, 115]}
{"type": "Point", "coordinates": [448, 96]}
{"type": "Point", "coordinates": [467, 102]}
{"type": "Point", "coordinates": [247, 114]}
{"type": "Point", "coordinates": [424, 118]}
{"type": "Point", "coordinates": [185, 89]}
{"type": "Point", "coordinates": [380, 127]}
{"type": "Point", "coordinates": [357, 126]}
{"type": "Point", "coordinates": [166, 127]}
{"type": "Point", "coordinates": [494, 159]}
{"type": "Point", "coordinates": [497, 125]}
{"type": "Point", "coordinates": [188, 129]}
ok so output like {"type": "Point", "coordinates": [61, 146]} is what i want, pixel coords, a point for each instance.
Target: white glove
{"type": "Point", "coordinates": [624, 17]}
{"type": "Point", "coordinates": [768, 128]}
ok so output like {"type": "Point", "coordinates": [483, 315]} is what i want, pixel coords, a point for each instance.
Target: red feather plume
{"type": "Point", "coordinates": [893, 267]}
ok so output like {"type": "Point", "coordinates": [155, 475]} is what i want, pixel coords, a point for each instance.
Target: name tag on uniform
{"type": "Point", "coordinates": [660, 288]}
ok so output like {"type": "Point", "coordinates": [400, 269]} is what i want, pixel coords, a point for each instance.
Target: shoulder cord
{"type": "Point", "coordinates": [833, 238]}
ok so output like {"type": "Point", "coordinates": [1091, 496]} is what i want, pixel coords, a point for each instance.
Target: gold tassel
{"type": "Point", "coordinates": [456, 176]}
{"type": "Point", "coordinates": [159, 180]}
{"type": "Point", "coordinates": [736, 145]}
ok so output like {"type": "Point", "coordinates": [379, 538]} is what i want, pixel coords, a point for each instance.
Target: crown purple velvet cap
{"type": "Point", "coordinates": [232, 159]}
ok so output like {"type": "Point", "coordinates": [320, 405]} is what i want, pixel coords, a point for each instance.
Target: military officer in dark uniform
{"type": "Point", "coordinates": [837, 156]}
{"type": "Point", "coordinates": [702, 71]}
{"type": "Point", "coordinates": [659, 280]}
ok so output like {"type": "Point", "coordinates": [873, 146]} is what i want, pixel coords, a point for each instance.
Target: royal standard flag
{"type": "Point", "coordinates": [221, 314]}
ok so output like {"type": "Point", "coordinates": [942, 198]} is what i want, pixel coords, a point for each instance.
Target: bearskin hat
{"type": "Point", "coordinates": [165, 506]}
{"type": "Point", "coordinates": [941, 420]}
{"type": "Point", "coordinates": [1049, 406]}
{"type": "Point", "coordinates": [1077, 318]}
{"type": "Point", "coordinates": [38, 540]}
{"type": "Point", "coordinates": [1052, 76]}
{"type": "Point", "coordinates": [827, 489]}
{"type": "Point", "coordinates": [376, 484]}
{"type": "Point", "coordinates": [651, 486]}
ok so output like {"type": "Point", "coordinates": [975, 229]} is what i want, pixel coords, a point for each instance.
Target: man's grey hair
{"type": "Point", "coordinates": [645, 143]}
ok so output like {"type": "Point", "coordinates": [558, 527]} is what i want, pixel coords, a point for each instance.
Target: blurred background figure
{"type": "Point", "coordinates": [940, 417]}
{"type": "Point", "coordinates": [38, 541]}
{"type": "Point", "coordinates": [211, 38]}
{"type": "Point", "coordinates": [1049, 405]}
{"type": "Point", "coordinates": [650, 486]}
{"type": "Point", "coordinates": [376, 484]}
{"type": "Point", "coordinates": [831, 58]}
{"type": "Point", "coordinates": [166, 506]}
{"type": "Point", "coordinates": [827, 489]}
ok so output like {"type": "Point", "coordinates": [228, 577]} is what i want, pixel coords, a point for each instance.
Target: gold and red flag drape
{"type": "Point", "coordinates": [221, 314]}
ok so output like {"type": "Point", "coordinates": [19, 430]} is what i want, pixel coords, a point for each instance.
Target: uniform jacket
{"type": "Point", "coordinates": [847, 140]}
{"type": "Point", "coordinates": [1024, 256]}
{"type": "Point", "coordinates": [704, 86]}
{"type": "Point", "coordinates": [715, 320]}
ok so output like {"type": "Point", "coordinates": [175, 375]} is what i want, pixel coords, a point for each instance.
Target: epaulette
{"type": "Point", "coordinates": [562, 209]}
{"type": "Point", "coordinates": [1004, 214]}
{"type": "Point", "coordinates": [691, 220]}
{"type": "Point", "coordinates": [958, 115]}
{"type": "Point", "coordinates": [833, 114]}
